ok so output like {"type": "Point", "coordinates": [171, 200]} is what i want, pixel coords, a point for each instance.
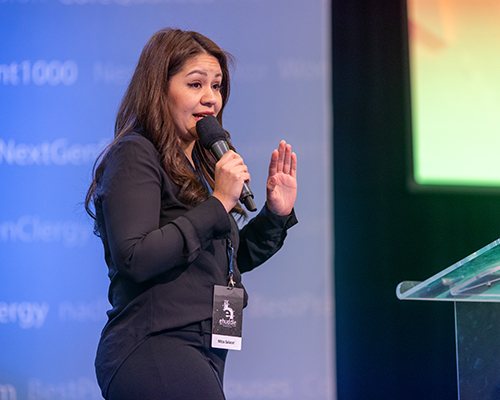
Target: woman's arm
{"type": "Point", "coordinates": [264, 235]}
{"type": "Point", "coordinates": [131, 198]}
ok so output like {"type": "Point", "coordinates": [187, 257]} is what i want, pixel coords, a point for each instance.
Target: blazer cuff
{"type": "Point", "coordinates": [283, 221]}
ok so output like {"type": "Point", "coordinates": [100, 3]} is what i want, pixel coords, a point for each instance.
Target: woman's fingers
{"type": "Point", "coordinates": [230, 174]}
{"type": "Point", "coordinates": [282, 160]}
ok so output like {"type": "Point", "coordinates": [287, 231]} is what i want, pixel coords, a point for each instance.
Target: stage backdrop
{"type": "Point", "coordinates": [64, 66]}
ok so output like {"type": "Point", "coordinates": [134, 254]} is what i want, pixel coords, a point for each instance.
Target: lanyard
{"type": "Point", "coordinates": [230, 248]}
{"type": "Point", "coordinates": [199, 174]}
{"type": "Point", "coordinates": [230, 255]}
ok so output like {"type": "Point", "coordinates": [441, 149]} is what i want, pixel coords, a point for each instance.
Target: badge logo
{"type": "Point", "coordinates": [229, 321]}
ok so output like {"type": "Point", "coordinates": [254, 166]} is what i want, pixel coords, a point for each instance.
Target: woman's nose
{"type": "Point", "coordinates": [208, 97]}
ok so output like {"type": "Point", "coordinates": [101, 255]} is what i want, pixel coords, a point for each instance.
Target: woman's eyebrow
{"type": "Point", "coordinates": [204, 73]}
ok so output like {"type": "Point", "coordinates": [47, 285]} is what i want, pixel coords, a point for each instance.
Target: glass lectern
{"type": "Point", "coordinates": [473, 284]}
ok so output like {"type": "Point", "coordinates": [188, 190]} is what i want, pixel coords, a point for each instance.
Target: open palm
{"type": "Point", "coordinates": [282, 180]}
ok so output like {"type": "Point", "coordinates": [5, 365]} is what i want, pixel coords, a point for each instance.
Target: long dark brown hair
{"type": "Point", "coordinates": [145, 104]}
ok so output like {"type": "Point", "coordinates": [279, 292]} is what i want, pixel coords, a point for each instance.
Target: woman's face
{"type": "Point", "coordinates": [194, 93]}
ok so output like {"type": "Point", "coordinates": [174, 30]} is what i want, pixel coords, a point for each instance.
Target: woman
{"type": "Point", "coordinates": [164, 210]}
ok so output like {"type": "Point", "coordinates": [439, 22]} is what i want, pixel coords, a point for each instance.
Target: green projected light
{"type": "Point", "coordinates": [455, 91]}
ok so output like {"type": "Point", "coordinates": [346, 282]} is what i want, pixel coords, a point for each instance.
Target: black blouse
{"type": "Point", "coordinates": [163, 256]}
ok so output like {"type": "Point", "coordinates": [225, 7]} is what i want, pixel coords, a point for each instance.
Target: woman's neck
{"type": "Point", "coordinates": [187, 148]}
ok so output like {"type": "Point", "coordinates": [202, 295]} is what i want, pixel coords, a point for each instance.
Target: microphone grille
{"type": "Point", "coordinates": [209, 131]}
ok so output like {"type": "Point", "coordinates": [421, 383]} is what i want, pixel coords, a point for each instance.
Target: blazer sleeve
{"type": "Point", "coordinates": [262, 237]}
{"type": "Point", "coordinates": [131, 193]}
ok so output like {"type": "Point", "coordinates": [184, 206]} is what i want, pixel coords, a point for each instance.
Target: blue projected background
{"type": "Point", "coordinates": [64, 66]}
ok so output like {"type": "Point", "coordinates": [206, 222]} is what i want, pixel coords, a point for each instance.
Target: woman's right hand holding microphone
{"type": "Point", "coordinates": [230, 175]}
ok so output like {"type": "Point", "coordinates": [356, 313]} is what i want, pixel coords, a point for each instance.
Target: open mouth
{"type": "Point", "coordinates": [201, 115]}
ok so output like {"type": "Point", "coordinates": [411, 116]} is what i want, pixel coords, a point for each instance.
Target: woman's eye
{"type": "Point", "coordinates": [217, 86]}
{"type": "Point", "coordinates": [194, 85]}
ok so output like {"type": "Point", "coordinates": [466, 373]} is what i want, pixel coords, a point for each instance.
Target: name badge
{"type": "Point", "coordinates": [227, 317]}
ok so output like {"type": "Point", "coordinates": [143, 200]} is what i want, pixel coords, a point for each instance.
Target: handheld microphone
{"type": "Point", "coordinates": [214, 138]}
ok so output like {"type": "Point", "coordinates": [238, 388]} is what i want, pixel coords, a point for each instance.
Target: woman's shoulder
{"type": "Point", "coordinates": [136, 138]}
{"type": "Point", "coordinates": [131, 154]}
{"type": "Point", "coordinates": [133, 144]}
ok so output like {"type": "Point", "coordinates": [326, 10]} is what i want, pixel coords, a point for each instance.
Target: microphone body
{"type": "Point", "coordinates": [213, 138]}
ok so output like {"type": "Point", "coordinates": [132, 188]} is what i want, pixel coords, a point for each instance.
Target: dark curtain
{"type": "Point", "coordinates": [384, 232]}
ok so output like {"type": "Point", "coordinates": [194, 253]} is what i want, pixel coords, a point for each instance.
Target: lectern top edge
{"type": "Point", "coordinates": [474, 278]}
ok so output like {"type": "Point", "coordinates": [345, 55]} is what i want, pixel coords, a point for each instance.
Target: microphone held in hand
{"type": "Point", "coordinates": [214, 138]}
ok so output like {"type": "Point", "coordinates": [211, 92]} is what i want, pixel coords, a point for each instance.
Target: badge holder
{"type": "Point", "coordinates": [227, 315]}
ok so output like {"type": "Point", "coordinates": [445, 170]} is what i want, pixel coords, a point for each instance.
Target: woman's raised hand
{"type": "Point", "coordinates": [282, 180]}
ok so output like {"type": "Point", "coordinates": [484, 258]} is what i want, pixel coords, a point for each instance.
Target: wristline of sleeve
{"type": "Point", "coordinates": [209, 221]}
{"type": "Point", "coordinates": [280, 221]}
